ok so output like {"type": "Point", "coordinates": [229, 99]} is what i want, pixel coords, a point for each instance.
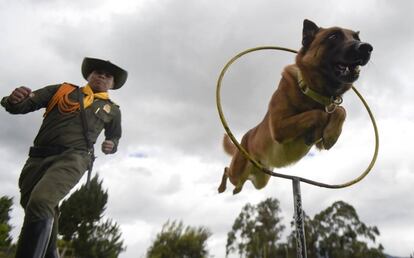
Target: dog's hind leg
{"type": "Point", "coordinates": [237, 172]}
{"type": "Point", "coordinates": [223, 183]}
{"type": "Point", "coordinates": [259, 178]}
{"type": "Point", "coordinates": [245, 173]}
{"type": "Point", "coordinates": [237, 189]}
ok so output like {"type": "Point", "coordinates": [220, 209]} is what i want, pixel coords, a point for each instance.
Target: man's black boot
{"type": "Point", "coordinates": [51, 250]}
{"type": "Point", "coordinates": [34, 238]}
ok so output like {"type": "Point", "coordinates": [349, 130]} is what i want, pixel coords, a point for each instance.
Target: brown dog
{"type": "Point", "coordinates": [303, 110]}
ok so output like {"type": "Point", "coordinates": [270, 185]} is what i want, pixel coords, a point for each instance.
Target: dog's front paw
{"type": "Point", "coordinates": [329, 142]}
{"type": "Point", "coordinates": [333, 129]}
{"type": "Point", "coordinates": [330, 135]}
{"type": "Point", "coordinates": [313, 136]}
{"type": "Point", "coordinates": [309, 139]}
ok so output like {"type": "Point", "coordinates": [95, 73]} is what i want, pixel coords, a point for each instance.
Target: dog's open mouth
{"type": "Point", "coordinates": [347, 72]}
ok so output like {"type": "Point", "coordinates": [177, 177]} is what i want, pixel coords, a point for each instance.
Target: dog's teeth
{"type": "Point", "coordinates": [357, 68]}
{"type": "Point", "coordinates": [347, 70]}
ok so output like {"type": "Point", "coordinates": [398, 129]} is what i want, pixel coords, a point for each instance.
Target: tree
{"type": "Point", "coordinates": [7, 249]}
{"type": "Point", "coordinates": [337, 232]}
{"type": "Point", "coordinates": [81, 226]}
{"type": "Point", "coordinates": [103, 240]}
{"type": "Point", "coordinates": [175, 241]}
{"type": "Point", "coordinates": [5, 228]}
{"type": "Point", "coordinates": [256, 230]}
{"type": "Point", "coordinates": [82, 209]}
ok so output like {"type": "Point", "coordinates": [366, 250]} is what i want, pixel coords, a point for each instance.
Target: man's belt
{"type": "Point", "coordinates": [45, 151]}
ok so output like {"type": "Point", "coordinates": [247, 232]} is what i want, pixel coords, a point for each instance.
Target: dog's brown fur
{"type": "Point", "coordinates": [294, 122]}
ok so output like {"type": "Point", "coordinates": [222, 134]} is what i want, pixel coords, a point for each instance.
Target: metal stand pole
{"type": "Point", "coordinates": [299, 220]}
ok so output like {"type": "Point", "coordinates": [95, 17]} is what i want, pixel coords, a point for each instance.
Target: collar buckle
{"type": "Point", "coordinates": [335, 102]}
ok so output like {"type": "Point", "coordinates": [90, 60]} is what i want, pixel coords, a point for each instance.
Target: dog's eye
{"type": "Point", "coordinates": [333, 37]}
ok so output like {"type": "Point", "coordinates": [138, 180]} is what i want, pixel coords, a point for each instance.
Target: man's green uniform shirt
{"type": "Point", "coordinates": [66, 129]}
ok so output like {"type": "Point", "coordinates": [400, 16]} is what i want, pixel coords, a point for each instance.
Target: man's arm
{"type": "Point", "coordinates": [113, 132]}
{"type": "Point", "coordinates": [22, 100]}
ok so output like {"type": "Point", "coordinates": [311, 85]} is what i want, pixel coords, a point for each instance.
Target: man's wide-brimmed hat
{"type": "Point", "coordinates": [92, 64]}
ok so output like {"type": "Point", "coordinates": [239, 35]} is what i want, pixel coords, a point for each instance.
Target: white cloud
{"type": "Point", "coordinates": [170, 160]}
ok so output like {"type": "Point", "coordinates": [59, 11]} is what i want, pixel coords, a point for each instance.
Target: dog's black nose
{"type": "Point", "coordinates": [361, 52]}
{"type": "Point", "coordinates": [364, 48]}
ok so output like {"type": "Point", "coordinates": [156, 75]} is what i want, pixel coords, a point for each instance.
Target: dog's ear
{"type": "Point", "coordinates": [309, 31]}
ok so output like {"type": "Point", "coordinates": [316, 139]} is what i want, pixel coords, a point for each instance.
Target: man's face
{"type": "Point", "coordinates": [100, 81]}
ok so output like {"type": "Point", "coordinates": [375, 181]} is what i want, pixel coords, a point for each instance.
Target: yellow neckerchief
{"type": "Point", "coordinates": [90, 95]}
{"type": "Point", "coordinates": [65, 105]}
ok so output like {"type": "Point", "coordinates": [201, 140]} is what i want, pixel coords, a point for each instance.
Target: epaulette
{"type": "Point", "coordinates": [112, 102]}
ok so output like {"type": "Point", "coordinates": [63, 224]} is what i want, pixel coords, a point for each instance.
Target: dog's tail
{"type": "Point", "coordinates": [228, 145]}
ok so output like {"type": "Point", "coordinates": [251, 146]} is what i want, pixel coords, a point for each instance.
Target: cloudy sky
{"type": "Point", "coordinates": [170, 159]}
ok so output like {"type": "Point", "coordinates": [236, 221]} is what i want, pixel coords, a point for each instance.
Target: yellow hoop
{"type": "Point", "coordinates": [257, 164]}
